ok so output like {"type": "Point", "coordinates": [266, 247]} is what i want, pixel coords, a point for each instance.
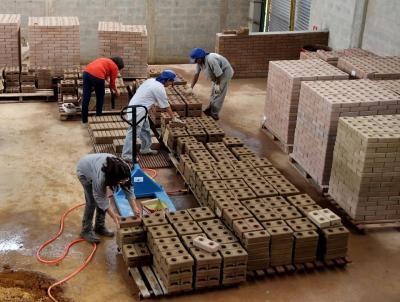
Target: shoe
{"type": "Point", "coordinates": [148, 152]}
{"type": "Point", "coordinates": [207, 111]}
{"type": "Point", "coordinates": [103, 231]}
{"type": "Point", "coordinates": [90, 237]}
{"type": "Point", "coordinates": [215, 117]}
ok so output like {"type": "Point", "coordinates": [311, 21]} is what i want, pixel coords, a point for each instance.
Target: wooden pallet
{"type": "Point", "coordinates": [40, 95]}
{"type": "Point", "coordinates": [282, 270]}
{"type": "Point", "coordinates": [322, 189]}
{"type": "Point", "coordinates": [287, 148]}
{"type": "Point", "coordinates": [362, 225]}
{"type": "Point", "coordinates": [146, 282]}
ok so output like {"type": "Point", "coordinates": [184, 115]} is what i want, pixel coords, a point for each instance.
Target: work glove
{"type": "Point", "coordinates": [189, 91]}
{"type": "Point", "coordinates": [217, 89]}
{"type": "Point", "coordinates": [177, 120]}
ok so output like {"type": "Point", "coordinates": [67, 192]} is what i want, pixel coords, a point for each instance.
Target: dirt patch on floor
{"type": "Point", "coordinates": [25, 286]}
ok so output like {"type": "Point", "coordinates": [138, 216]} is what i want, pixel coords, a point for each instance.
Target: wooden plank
{"type": "Point", "coordinates": [160, 281]}
{"type": "Point", "coordinates": [38, 93]}
{"type": "Point", "coordinates": [135, 274]}
{"type": "Point", "coordinates": [152, 279]}
{"type": "Point", "coordinates": [286, 148]}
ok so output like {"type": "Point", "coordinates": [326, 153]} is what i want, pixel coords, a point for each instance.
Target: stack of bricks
{"type": "Point", "coordinates": [250, 55]}
{"type": "Point", "coordinates": [283, 92]}
{"type": "Point", "coordinates": [321, 105]}
{"type": "Point", "coordinates": [54, 42]}
{"type": "Point", "coordinates": [28, 80]}
{"type": "Point", "coordinates": [130, 42]}
{"type": "Point", "coordinates": [12, 83]}
{"type": "Point", "coordinates": [43, 77]}
{"type": "Point", "coordinates": [332, 57]}
{"type": "Point", "coordinates": [393, 85]}
{"type": "Point", "coordinates": [131, 243]}
{"type": "Point", "coordinates": [366, 167]}
{"type": "Point", "coordinates": [249, 194]}
{"type": "Point", "coordinates": [305, 55]}
{"type": "Point", "coordinates": [69, 86]}
{"type": "Point", "coordinates": [370, 67]}
{"type": "Point", "coordinates": [193, 103]}
{"type": "Point", "coordinates": [10, 48]}
{"type": "Point", "coordinates": [171, 260]}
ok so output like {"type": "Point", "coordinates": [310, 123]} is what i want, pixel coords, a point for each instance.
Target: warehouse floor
{"type": "Point", "coordinates": [37, 184]}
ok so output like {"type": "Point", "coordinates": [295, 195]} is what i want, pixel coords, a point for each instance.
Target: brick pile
{"type": "Point", "coordinates": [11, 76]}
{"type": "Point", "coordinates": [393, 85]}
{"type": "Point", "coordinates": [305, 55]}
{"type": "Point", "coordinates": [54, 42]}
{"type": "Point", "coordinates": [130, 42]}
{"type": "Point", "coordinates": [28, 80]}
{"type": "Point", "coordinates": [43, 77]}
{"type": "Point", "coordinates": [261, 207]}
{"type": "Point", "coordinates": [321, 104]}
{"type": "Point", "coordinates": [370, 67]}
{"type": "Point", "coordinates": [332, 57]}
{"type": "Point", "coordinates": [10, 49]}
{"type": "Point", "coordinates": [283, 92]}
{"type": "Point", "coordinates": [366, 167]}
{"type": "Point", "coordinates": [250, 55]}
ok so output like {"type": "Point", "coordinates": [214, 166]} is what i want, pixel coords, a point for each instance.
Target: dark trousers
{"type": "Point", "coordinates": [90, 82]}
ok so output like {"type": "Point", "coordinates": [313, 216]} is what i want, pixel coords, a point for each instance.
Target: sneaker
{"type": "Point", "coordinates": [90, 237]}
{"type": "Point", "coordinates": [104, 232]}
{"type": "Point", "coordinates": [207, 111]}
{"type": "Point", "coordinates": [148, 152]}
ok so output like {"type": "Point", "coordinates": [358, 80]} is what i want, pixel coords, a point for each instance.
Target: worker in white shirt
{"type": "Point", "coordinates": [219, 71]}
{"type": "Point", "coordinates": [152, 91]}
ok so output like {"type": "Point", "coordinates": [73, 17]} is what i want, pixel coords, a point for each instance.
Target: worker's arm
{"type": "Point", "coordinates": [195, 79]}
{"type": "Point", "coordinates": [113, 77]}
{"type": "Point", "coordinates": [114, 216]}
{"type": "Point", "coordinates": [170, 112]}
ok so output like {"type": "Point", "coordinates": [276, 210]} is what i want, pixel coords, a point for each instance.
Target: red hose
{"type": "Point", "coordinates": [66, 250]}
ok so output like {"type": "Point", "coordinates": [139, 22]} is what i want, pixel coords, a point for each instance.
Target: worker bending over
{"type": "Point", "coordinates": [219, 71]}
{"type": "Point", "coordinates": [152, 91]}
{"type": "Point", "coordinates": [97, 172]}
{"type": "Point", "coordinates": [94, 77]}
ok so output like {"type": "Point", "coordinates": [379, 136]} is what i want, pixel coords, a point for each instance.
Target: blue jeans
{"type": "Point", "coordinates": [90, 82]}
{"type": "Point", "coordinates": [143, 131]}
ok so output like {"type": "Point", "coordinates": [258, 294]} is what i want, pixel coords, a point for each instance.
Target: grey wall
{"type": "Point", "coordinates": [343, 19]}
{"type": "Point", "coordinates": [382, 27]}
{"type": "Point", "coordinates": [174, 26]}
{"type": "Point", "coordinates": [371, 24]}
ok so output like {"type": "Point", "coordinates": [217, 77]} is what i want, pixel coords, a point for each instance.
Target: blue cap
{"type": "Point", "coordinates": [166, 75]}
{"type": "Point", "coordinates": [197, 53]}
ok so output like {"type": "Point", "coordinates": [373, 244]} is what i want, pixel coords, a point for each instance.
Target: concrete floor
{"type": "Point", "coordinates": [37, 184]}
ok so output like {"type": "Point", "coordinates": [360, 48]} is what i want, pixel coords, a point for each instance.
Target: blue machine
{"type": "Point", "coordinates": [143, 185]}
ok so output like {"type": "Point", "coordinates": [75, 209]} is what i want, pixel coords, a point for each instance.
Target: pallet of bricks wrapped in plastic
{"type": "Point", "coordinates": [283, 92]}
{"type": "Point", "coordinates": [366, 170]}
{"type": "Point", "coordinates": [258, 204]}
{"type": "Point", "coordinates": [321, 104]}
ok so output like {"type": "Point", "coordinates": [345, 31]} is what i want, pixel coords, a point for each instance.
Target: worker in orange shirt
{"type": "Point", "coordinates": [94, 76]}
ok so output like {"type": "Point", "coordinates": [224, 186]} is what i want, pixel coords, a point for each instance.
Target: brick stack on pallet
{"type": "Point", "coordinates": [321, 104]}
{"type": "Point", "coordinates": [181, 263]}
{"type": "Point", "coordinates": [10, 49]}
{"type": "Point", "coordinates": [110, 131]}
{"type": "Point", "coordinates": [184, 105]}
{"type": "Point", "coordinates": [11, 76]}
{"type": "Point", "coordinates": [130, 42]}
{"type": "Point", "coordinates": [201, 128]}
{"type": "Point", "coordinates": [28, 80]}
{"type": "Point", "coordinates": [366, 167]}
{"type": "Point", "coordinates": [43, 77]}
{"type": "Point", "coordinates": [283, 92]}
{"type": "Point", "coordinates": [261, 207]}
{"type": "Point", "coordinates": [54, 42]}
{"type": "Point", "coordinates": [332, 57]}
{"type": "Point", "coordinates": [370, 67]}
